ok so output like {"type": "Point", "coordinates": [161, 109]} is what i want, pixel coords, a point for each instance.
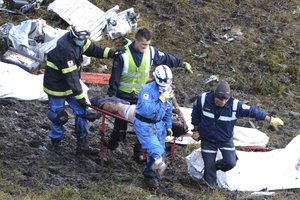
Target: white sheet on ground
{"type": "Point", "coordinates": [22, 85]}
{"type": "Point", "coordinates": [273, 170]}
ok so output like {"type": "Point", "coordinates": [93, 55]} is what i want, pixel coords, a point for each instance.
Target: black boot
{"type": "Point", "coordinates": [55, 145]}
{"type": "Point", "coordinates": [137, 153]}
{"type": "Point", "coordinates": [150, 177]}
{"type": "Point", "coordinates": [112, 141]}
{"type": "Point", "coordinates": [84, 149]}
{"type": "Point", "coordinates": [55, 142]}
{"type": "Point", "coordinates": [152, 183]}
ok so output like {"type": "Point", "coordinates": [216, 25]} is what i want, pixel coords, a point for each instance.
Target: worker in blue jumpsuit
{"type": "Point", "coordinates": [131, 71]}
{"type": "Point", "coordinates": [62, 84]}
{"type": "Point", "coordinates": [153, 119]}
{"type": "Point", "coordinates": [214, 116]}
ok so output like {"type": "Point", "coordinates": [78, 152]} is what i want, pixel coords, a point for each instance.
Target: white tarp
{"type": "Point", "coordinates": [273, 170]}
{"type": "Point", "coordinates": [22, 85]}
{"type": "Point", "coordinates": [83, 12]}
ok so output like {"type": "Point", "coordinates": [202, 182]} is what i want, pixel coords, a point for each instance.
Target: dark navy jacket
{"type": "Point", "coordinates": [216, 124]}
{"type": "Point", "coordinates": [62, 74]}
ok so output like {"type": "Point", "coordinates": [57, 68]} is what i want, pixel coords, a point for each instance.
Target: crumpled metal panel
{"type": "Point", "coordinates": [83, 12]}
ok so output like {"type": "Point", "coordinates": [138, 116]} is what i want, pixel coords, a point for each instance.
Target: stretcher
{"type": "Point", "coordinates": [104, 114]}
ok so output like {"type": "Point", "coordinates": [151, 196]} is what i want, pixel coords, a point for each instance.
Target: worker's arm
{"type": "Point", "coordinates": [163, 58]}
{"type": "Point", "coordinates": [196, 112]}
{"type": "Point", "coordinates": [115, 76]}
{"type": "Point", "coordinates": [93, 50]}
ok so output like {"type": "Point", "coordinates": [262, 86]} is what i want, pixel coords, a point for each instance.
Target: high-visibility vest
{"type": "Point", "coordinates": [133, 77]}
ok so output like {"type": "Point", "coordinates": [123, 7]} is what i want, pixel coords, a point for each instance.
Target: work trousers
{"type": "Point", "coordinates": [209, 153]}
{"type": "Point", "coordinates": [151, 136]}
{"type": "Point", "coordinates": [81, 124]}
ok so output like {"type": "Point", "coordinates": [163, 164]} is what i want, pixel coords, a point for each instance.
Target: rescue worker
{"type": "Point", "coordinates": [131, 71]}
{"type": "Point", "coordinates": [214, 115]}
{"type": "Point", "coordinates": [62, 84]}
{"type": "Point", "coordinates": [153, 119]}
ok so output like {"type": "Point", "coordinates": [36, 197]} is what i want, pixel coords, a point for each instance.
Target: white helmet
{"type": "Point", "coordinates": [80, 32]}
{"type": "Point", "coordinates": [163, 76]}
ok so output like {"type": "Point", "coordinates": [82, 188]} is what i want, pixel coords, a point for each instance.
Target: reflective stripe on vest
{"type": "Point", "coordinates": [133, 78]}
{"type": "Point", "coordinates": [86, 46]}
{"type": "Point", "coordinates": [58, 93]}
{"type": "Point", "coordinates": [52, 65]}
{"type": "Point", "coordinates": [65, 70]}
{"type": "Point", "coordinates": [62, 93]}
{"type": "Point", "coordinates": [222, 118]}
{"type": "Point", "coordinates": [80, 96]}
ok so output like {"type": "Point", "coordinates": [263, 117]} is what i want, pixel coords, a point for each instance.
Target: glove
{"type": "Point", "coordinates": [170, 132]}
{"type": "Point", "coordinates": [118, 52]}
{"type": "Point", "coordinates": [196, 135]}
{"type": "Point", "coordinates": [275, 121]}
{"type": "Point", "coordinates": [90, 116]}
{"type": "Point", "coordinates": [82, 102]}
{"type": "Point", "coordinates": [188, 67]}
{"type": "Point", "coordinates": [165, 95]}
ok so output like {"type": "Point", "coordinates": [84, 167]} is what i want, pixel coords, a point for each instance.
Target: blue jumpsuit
{"type": "Point", "coordinates": [152, 135]}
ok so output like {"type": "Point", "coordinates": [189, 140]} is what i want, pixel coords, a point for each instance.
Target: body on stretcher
{"type": "Point", "coordinates": [118, 109]}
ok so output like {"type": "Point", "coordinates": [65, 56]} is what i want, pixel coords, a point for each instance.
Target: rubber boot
{"type": "Point", "coordinates": [84, 149]}
{"type": "Point", "coordinates": [55, 145]}
{"type": "Point", "coordinates": [137, 153]}
{"type": "Point", "coordinates": [150, 177]}
{"type": "Point", "coordinates": [112, 141]}
{"type": "Point", "coordinates": [55, 142]}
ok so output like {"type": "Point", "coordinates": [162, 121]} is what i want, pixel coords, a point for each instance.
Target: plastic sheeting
{"type": "Point", "coordinates": [34, 37]}
{"type": "Point", "coordinates": [23, 35]}
{"type": "Point", "coordinates": [256, 171]}
{"type": "Point", "coordinates": [22, 85]}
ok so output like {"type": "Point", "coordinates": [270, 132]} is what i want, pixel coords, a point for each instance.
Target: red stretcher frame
{"type": "Point", "coordinates": [104, 113]}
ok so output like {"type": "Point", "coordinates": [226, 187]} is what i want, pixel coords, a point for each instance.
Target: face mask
{"type": "Point", "coordinates": [162, 88]}
{"type": "Point", "coordinates": [79, 43]}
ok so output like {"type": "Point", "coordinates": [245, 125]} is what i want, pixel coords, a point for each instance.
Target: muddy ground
{"type": "Point", "coordinates": [262, 66]}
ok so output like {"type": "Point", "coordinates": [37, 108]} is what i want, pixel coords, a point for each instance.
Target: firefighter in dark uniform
{"type": "Point", "coordinates": [131, 71]}
{"type": "Point", "coordinates": [62, 84]}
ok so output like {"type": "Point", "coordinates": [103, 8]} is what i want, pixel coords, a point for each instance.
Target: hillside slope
{"type": "Point", "coordinates": [261, 63]}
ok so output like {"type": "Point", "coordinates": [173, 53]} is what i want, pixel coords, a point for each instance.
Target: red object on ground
{"type": "Point", "coordinates": [254, 148]}
{"type": "Point", "coordinates": [96, 78]}
{"type": "Point", "coordinates": [88, 77]}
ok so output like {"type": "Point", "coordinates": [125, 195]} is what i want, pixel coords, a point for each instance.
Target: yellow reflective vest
{"type": "Point", "coordinates": [134, 77]}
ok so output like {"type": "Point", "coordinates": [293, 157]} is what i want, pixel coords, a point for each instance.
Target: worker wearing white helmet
{"type": "Point", "coordinates": [153, 118]}
{"type": "Point", "coordinates": [62, 84]}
